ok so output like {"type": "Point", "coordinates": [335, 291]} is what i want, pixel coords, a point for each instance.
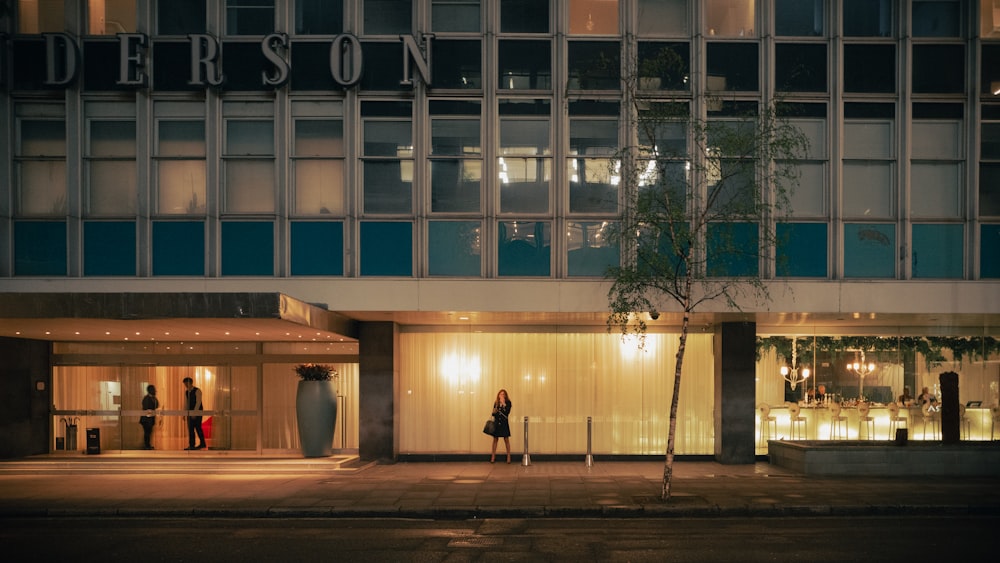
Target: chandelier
{"type": "Point", "coordinates": [862, 370]}
{"type": "Point", "coordinates": [795, 374]}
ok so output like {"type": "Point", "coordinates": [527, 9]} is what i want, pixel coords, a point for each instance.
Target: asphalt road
{"type": "Point", "coordinates": [806, 539]}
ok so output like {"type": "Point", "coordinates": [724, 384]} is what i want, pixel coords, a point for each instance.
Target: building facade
{"type": "Point", "coordinates": [417, 191]}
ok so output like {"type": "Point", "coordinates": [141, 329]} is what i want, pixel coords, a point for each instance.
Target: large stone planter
{"type": "Point", "coordinates": [316, 413]}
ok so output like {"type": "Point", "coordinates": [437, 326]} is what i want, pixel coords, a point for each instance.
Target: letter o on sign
{"type": "Point", "coordinates": [345, 60]}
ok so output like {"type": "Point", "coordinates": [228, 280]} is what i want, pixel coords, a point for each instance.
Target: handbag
{"type": "Point", "coordinates": [490, 427]}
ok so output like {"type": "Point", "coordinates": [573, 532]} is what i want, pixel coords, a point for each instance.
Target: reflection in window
{"type": "Point", "coordinates": [524, 16]}
{"type": "Point", "coordinates": [937, 18]}
{"type": "Point", "coordinates": [799, 18]}
{"type": "Point", "coordinates": [249, 17]}
{"type": "Point", "coordinates": [524, 248]}
{"type": "Point", "coordinates": [732, 67]}
{"type": "Point", "coordinates": [870, 68]}
{"type": "Point", "coordinates": [525, 65]}
{"type": "Point", "coordinates": [111, 167]}
{"type": "Point", "coordinates": [663, 17]}
{"type": "Point", "coordinates": [456, 157]}
{"type": "Point", "coordinates": [387, 17]}
{"type": "Point", "coordinates": [869, 250]}
{"type": "Point", "coordinates": [664, 66]}
{"type": "Point", "coordinates": [180, 17]}
{"type": "Point", "coordinates": [729, 18]}
{"type": "Point", "coordinates": [593, 17]}
{"type": "Point", "coordinates": [108, 17]}
{"type": "Point", "coordinates": [40, 165]}
{"type": "Point", "coordinates": [457, 64]}
{"type": "Point", "coordinates": [319, 17]}
{"type": "Point", "coordinates": [868, 18]}
{"type": "Point", "coordinates": [524, 164]}
{"type": "Point", "coordinates": [41, 16]}
{"type": "Point", "coordinates": [591, 250]}
{"type": "Point", "coordinates": [455, 15]}
{"type": "Point", "coordinates": [594, 65]}
{"type": "Point", "coordinates": [454, 248]}
{"type": "Point", "coordinates": [938, 251]}
{"type": "Point", "coordinates": [800, 67]}
{"type": "Point", "coordinates": [594, 175]}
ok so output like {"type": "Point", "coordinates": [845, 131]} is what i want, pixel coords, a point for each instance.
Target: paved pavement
{"type": "Point", "coordinates": [206, 485]}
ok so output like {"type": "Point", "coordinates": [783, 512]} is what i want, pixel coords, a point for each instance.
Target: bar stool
{"type": "Point", "coordinates": [838, 422]}
{"type": "Point", "coordinates": [794, 410]}
{"type": "Point", "coordinates": [963, 421]}
{"type": "Point", "coordinates": [766, 420]}
{"type": "Point", "coordinates": [864, 419]}
{"type": "Point", "coordinates": [895, 421]}
{"type": "Point", "coordinates": [933, 417]}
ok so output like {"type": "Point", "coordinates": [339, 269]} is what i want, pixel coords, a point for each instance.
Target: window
{"type": "Point", "coordinates": [40, 161]}
{"type": "Point", "coordinates": [40, 248]}
{"type": "Point", "coordinates": [108, 17]}
{"type": "Point", "coordinates": [664, 66]}
{"type": "Point", "coordinates": [110, 162]}
{"type": "Point", "coordinates": [870, 68]}
{"type": "Point", "coordinates": [937, 162]}
{"type": "Point", "coordinates": [801, 250]}
{"type": "Point", "coordinates": [594, 65]}
{"type": "Point", "coordinates": [869, 250]}
{"type": "Point", "coordinates": [730, 18]}
{"type": "Point", "coordinates": [248, 158]}
{"type": "Point", "coordinates": [524, 248]}
{"type": "Point", "coordinates": [381, 61]}
{"type": "Point", "coordinates": [178, 248]}
{"type": "Point", "coordinates": [990, 68]}
{"type": "Point", "coordinates": [989, 251]}
{"type": "Point", "coordinates": [733, 249]}
{"type": "Point", "coordinates": [938, 251]}
{"type": "Point", "coordinates": [455, 15]}
{"type": "Point", "coordinates": [454, 248]}
{"type": "Point", "coordinates": [247, 248]}
{"type": "Point", "coordinates": [457, 64]}
{"type": "Point", "coordinates": [989, 18]}
{"type": "Point", "coordinates": [317, 248]}
{"type": "Point", "coordinates": [593, 17]}
{"type": "Point", "coordinates": [180, 17]}
{"type": "Point", "coordinates": [386, 248]}
{"type": "Point", "coordinates": [249, 17]}
{"type": "Point", "coordinates": [989, 162]}
{"type": "Point", "coordinates": [869, 177]}
{"type": "Point", "coordinates": [456, 159]}
{"type": "Point", "coordinates": [318, 158]}
{"type": "Point", "coordinates": [938, 69]}
{"type": "Point", "coordinates": [663, 142]}
{"type": "Point", "coordinates": [109, 248]}
{"type": "Point", "coordinates": [659, 18]}
{"type": "Point", "coordinates": [41, 16]}
{"type": "Point", "coordinates": [938, 18]}
{"type": "Point", "coordinates": [179, 159]}
{"type": "Point", "coordinates": [524, 16]}
{"type": "Point", "coordinates": [594, 175]}
{"type": "Point", "coordinates": [732, 189]}
{"type": "Point", "coordinates": [319, 17]}
{"type": "Point", "coordinates": [868, 18]}
{"type": "Point", "coordinates": [799, 18]}
{"type": "Point", "coordinates": [810, 199]}
{"type": "Point", "coordinates": [800, 67]}
{"type": "Point", "coordinates": [388, 17]}
{"type": "Point", "coordinates": [524, 164]}
{"type": "Point", "coordinates": [388, 157]}
{"type": "Point", "coordinates": [525, 64]}
{"type": "Point", "coordinates": [732, 67]}
{"type": "Point", "coordinates": [591, 251]}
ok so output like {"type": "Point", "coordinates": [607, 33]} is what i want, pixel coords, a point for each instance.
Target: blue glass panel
{"type": "Point", "coordinates": [39, 248]}
{"type": "Point", "coordinates": [595, 253]}
{"type": "Point", "coordinates": [869, 250]}
{"type": "Point", "coordinates": [524, 248]}
{"type": "Point", "coordinates": [802, 250]}
{"type": "Point", "coordinates": [317, 248]}
{"type": "Point", "coordinates": [109, 248]}
{"type": "Point", "coordinates": [989, 251]}
{"type": "Point", "coordinates": [247, 248]}
{"type": "Point", "coordinates": [179, 248]}
{"type": "Point", "coordinates": [733, 249]}
{"type": "Point", "coordinates": [454, 248]}
{"type": "Point", "coordinates": [386, 249]}
{"type": "Point", "coordinates": [938, 251]}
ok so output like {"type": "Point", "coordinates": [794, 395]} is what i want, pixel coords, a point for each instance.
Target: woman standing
{"type": "Point", "coordinates": [501, 414]}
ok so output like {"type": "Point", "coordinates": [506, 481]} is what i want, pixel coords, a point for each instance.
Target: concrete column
{"type": "Point", "coordinates": [378, 350]}
{"type": "Point", "coordinates": [735, 390]}
{"type": "Point", "coordinates": [25, 397]}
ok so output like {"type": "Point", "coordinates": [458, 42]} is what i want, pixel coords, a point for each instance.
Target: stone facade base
{"type": "Point", "coordinates": [886, 458]}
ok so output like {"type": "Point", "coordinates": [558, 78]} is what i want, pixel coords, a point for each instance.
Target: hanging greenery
{"type": "Point", "coordinates": [974, 348]}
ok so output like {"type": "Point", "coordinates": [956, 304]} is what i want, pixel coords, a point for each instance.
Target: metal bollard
{"type": "Point", "coordinates": [526, 459]}
{"type": "Point", "coordinates": [590, 458]}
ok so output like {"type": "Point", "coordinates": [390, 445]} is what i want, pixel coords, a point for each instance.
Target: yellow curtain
{"type": "Point", "coordinates": [448, 382]}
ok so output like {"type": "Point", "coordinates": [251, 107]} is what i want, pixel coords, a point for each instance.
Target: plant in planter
{"type": "Point", "coordinates": [316, 409]}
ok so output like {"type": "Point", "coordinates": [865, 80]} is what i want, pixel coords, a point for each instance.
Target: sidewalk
{"type": "Point", "coordinates": [293, 488]}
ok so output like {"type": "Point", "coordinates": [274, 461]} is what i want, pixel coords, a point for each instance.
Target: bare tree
{"type": "Point", "coordinates": [705, 182]}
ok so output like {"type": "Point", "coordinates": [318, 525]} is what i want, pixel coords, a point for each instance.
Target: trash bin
{"type": "Point", "coordinates": [93, 441]}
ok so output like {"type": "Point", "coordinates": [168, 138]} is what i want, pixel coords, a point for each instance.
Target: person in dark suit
{"type": "Point", "coordinates": [148, 420]}
{"type": "Point", "coordinates": [192, 402]}
{"type": "Point", "coordinates": [501, 414]}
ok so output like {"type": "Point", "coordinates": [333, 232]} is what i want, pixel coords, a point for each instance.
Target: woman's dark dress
{"type": "Point", "coordinates": [500, 414]}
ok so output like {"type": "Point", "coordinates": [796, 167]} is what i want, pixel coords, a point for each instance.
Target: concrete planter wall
{"type": "Point", "coordinates": [886, 458]}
